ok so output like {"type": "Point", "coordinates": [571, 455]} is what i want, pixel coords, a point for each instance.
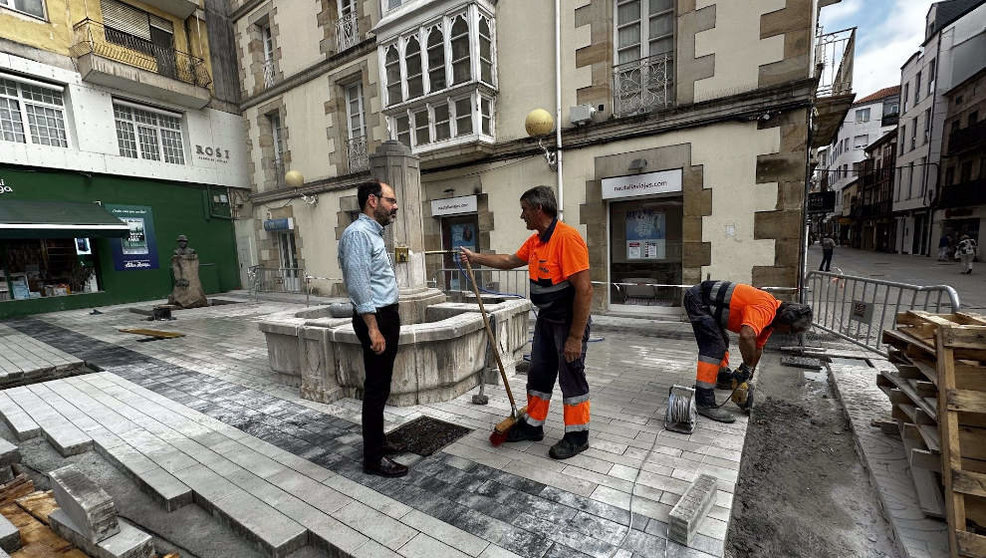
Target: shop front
{"type": "Point", "coordinates": [645, 242]}
{"type": "Point", "coordinates": [69, 240]}
{"type": "Point", "coordinates": [458, 219]}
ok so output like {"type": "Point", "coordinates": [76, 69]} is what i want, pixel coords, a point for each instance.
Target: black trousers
{"type": "Point", "coordinates": [826, 261]}
{"type": "Point", "coordinates": [379, 372]}
{"type": "Point", "coordinates": [712, 339]}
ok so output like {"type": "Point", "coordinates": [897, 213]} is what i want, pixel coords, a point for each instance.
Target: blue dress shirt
{"type": "Point", "coordinates": [366, 267]}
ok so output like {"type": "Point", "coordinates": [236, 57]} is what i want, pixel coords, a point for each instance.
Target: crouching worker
{"type": "Point", "coordinates": [714, 307]}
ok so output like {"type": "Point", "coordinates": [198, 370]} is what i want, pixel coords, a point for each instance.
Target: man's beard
{"type": "Point", "coordinates": [385, 217]}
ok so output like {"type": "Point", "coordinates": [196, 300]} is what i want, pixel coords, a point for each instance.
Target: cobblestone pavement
{"type": "Point", "coordinates": [905, 268]}
{"type": "Point", "coordinates": [469, 499]}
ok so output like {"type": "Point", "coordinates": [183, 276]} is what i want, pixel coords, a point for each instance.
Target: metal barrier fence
{"type": "Point", "coordinates": [277, 280]}
{"type": "Point", "coordinates": [858, 309]}
{"type": "Point", "coordinates": [506, 281]}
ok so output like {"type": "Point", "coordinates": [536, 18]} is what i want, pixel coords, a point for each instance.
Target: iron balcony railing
{"type": "Point", "coordinates": [273, 172]}
{"type": "Point", "coordinates": [347, 32]}
{"type": "Point", "coordinates": [92, 37]}
{"type": "Point", "coordinates": [965, 194]}
{"type": "Point", "coordinates": [967, 139]}
{"type": "Point", "coordinates": [835, 54]}
{"type": "Point", "coordinates": [359, 159]}
{"type": "Point", "coordinates": [643, 85]}
{"type": "Point", "coordinates": [269, 74]}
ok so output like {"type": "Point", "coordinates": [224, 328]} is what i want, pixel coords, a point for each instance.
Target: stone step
{"type": "Point", "coordinates": [60, 432]}
{"type": "Point", "coordinates": [22, 425]}
{"type": "Point", "coordinates": [130, 542]}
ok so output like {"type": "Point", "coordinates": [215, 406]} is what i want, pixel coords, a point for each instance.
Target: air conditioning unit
{"type": "Point", "coordinates": [581, 114]}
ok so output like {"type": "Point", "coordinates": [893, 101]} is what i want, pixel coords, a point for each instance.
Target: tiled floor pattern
{"type": "Point", "coordinates": [513, 497]}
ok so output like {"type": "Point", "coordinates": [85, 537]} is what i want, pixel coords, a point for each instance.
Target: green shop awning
{"type": "Point", "coordinates": [49, 219]}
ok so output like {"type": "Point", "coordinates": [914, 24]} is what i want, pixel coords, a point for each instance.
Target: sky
{"type": "Point", "coordinates": [888, 32]}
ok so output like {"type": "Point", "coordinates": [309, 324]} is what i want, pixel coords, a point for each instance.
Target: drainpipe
{"type": "Point", "coordinates": [931, 134]}
{"type": "Point", "coordinates": [558, 168]}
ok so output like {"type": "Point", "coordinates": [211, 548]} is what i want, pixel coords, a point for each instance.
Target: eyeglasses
{"type": "Point", "coordinates": [391, 200]}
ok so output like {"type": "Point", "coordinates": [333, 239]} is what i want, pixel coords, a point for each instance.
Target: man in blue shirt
{"type": "Point", "coordinates": [372, 287]}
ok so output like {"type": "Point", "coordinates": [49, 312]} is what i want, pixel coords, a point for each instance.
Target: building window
{"type": "Point", "coordinates": [859, 142]}
{"type": "Point", "coordinates": [422, 130]}
{"type": "Point", "coordinates": [34, 8]}
{"type": "Point", "coordinates": [917, 88]}
{"type": "Point", "coordinates": [403, 124]}
{"type": "Point", "coordinates": [914, 132]}
{"type": "Point", "coordinates": [461, 68]}
{"type": "Point", "coordinates": [268, 40]}
{"type": "Point", "coordinates": [392, 67]}
{"type": "Point", "coordinates": [949, 176]}
{"type": "Point", "coordinates": [973, 117]}
{"type": "Point", "coordinates": [931, 77]}
{"type": "Point", "coordinates": [149, 133]}
{"type": "Point", "coordinates": [443, 122]}
{"type": "Point", "coordinates": [485, 51]}
{"type": "Point", "coordinates": [903, 137]}
{"type": "Point", "coordinates": [644, 72]}
{"type": "Point", "coordinates": [436, 60]}
{"type": "Point", "coordinates": [412, 64]}
{"type": "Point", "coordinates": [927, 125]}
{"type": "Point", "coordinates": [463, 116]}
{"type": "Point", "coordinates": [862, 115]}
{"type": "Point", "coordinates": [907, 89]}
{"type": "Point", "coordinates": [32, 113]}
{"type": "Point", "coordinates": [356, 152]}
{"type": "Point", "coordinates": [486, 115]}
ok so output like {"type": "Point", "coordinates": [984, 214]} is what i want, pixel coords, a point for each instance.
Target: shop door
{"type": "Point", "coordinates": [645, 255]}
{"type": "Point", "coordinates": [460, 232]}
{"type": "Point", "coordinates": [290, 273]}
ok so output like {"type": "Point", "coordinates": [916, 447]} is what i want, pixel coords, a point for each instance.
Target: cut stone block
{"type": "Point", "coordinates": [9, 453]}
{"type": "Point", "coordinates": [89, 506]}
{"type": "Point", "coordinates": [6, 474]}
{"type": "Point", "coordinates": [691, 509]}
{"type": "Point", "coordinates": [129, 542]}
{"type": "Point", "coordinates": [10, 536]}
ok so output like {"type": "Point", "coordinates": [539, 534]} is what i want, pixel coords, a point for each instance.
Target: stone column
{"type": "Point", "coordinates": [394, 164]}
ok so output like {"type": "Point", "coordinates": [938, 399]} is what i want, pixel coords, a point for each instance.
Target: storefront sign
{"type": "Point", "coordinates": [279, 224]}
{"type": "Point", "coordinates": [649, 184]}
{"type": "Point", "coordinates": [646, 233]}
{"type": "Point", "coordinates": [453, 206]}
{"type": "Point", "coordinates": [4, 189]}
{"type": "Point", "coordinates": [821, 202]}
{"type": "Point", "coordinates": [212, 153]}
{"type": "Point", "coordinates": [139, 250]}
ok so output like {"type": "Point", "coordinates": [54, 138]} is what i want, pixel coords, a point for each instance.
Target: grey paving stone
{"type": "Point", "coordinates": [130, 542]}
{"type": "Point", "coordinates": [90, 508]}
{"type": "Point", "coordinates": [10, 535]}
{"type": "Point", "coordinates": [9, 453]}
{"type": "Point", "coordinates": [385, 530]}
{"type": "Point", "coordinates": [687, 515]}
{"type": "Point", "coordinates": [275, 532]}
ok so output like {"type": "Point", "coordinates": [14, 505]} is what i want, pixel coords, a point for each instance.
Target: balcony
{"type": "Point", "coordinates": [347, 32]}
{"type": "Point", "coordinates": [180, 8]}
{"type": "Point", "coordinates": [270, 74]}
{"type": "Point", "coordinates": [966, 139]}
{"type": "Point", "coordinates": [125, 62]}
{"type": "Point", "coordinates": [964, 194]}
{"type": "Point", "coordinates": [835, 56]}
{"type": "Point", "coordinates": [643, 86]}
{"type": "Point", "coordinates": [357, 155]}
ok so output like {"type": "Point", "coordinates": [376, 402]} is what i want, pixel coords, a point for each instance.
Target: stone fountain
{"type": "Point", "coordinates": [442, 347]}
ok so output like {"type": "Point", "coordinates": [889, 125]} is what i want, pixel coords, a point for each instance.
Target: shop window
{"type": "Point", "coordinates": [646, 252]}
{"type": "Point", "coordinates": [32, 113]}
{"type": "Point", "coordinates": [40, 268]}
{"type": "Point", "coordinates": [149, 133]}
{"type": "Point", "coordinates": [34, 8]}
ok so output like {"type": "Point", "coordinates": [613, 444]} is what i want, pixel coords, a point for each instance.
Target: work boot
{"type": "Point", "coordinates": [521, 431]}
{"type": "Point", "coordinates": [724, 380]}
{"type": "Point", "coordinates": [705, 400]}
{"type": "Point", "coordinates": [573, 443]}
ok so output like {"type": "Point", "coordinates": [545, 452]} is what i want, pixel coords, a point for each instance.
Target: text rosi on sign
{"type": "Point", "coordinates": [651, 183]}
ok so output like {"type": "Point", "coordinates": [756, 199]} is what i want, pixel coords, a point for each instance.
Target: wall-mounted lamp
{"type": "Point", "coordinates": [638, 165]}
{"type": "Point", "coordinates": [539, 124]}
{"type": "Point", "coordinates": [295, 179]}
{"type": "Point", "coordinates": [449, 192]}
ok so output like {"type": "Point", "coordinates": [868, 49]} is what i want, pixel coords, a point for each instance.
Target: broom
{"type": "Point", "coordinates": [499, 434]}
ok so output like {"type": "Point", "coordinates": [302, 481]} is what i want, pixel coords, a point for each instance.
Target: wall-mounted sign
{"type": "Point", "coordinates": [454, 206]}
{"type": "Point", "coordinates": [648, 184]}
{"type": "Point", "coordinates": [82, 247]}
{"type": "Point", "coordinates": [286, 224]}
{"type": "Point", "coordinates": [821, 202]}
{"type": "Point", "coordinates": [4, 189]}
{"type": "Point", "coordinates": [212, 153]}
{"type": "Point", "coordinates": [139, 250]}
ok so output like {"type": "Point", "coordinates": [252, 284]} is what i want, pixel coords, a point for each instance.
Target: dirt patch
{"type": "Point", "coordinates": [802, 491]}
{"type": "Point", "coordinates": [425, 435]}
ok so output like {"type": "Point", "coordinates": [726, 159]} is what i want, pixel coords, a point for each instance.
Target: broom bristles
{"type": "Point", "coordinates": [499, 434]}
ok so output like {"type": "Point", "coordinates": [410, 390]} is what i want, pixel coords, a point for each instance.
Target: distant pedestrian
{"type": "Point", "coordinates": [967, 252]}
{"type": "Point", "coordinates": [828, 246]}
{"type": "Point", "coordinates": [943, 245]}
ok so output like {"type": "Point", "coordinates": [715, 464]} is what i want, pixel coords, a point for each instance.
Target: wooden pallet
{"type": "Point", "coordinates": [961, 352]}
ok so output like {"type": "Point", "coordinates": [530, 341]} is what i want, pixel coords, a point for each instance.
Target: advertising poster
{"type": "Point", "coordinates": [463, 235]}
{"type": "Point", "coordinates": [646, 233]}
{"type": "Point", "coordinates": [139, 250]}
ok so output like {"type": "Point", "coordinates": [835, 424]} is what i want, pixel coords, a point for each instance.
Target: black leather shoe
{"type": "Point", "coordinates": [386, 468]}
{"type": "Point", "coordinates": [569, 446]}
{"type": "Point", "coordinates": [522, 432]}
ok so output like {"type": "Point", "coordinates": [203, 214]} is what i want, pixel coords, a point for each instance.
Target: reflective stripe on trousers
{"type": "Point", "coordinates": [712, 339]}
{"type": "Point", "coordinates": [548, 364]}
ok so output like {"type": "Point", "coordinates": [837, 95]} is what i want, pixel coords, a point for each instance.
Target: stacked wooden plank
{"type": "Point", "coordinates": [938, 395]}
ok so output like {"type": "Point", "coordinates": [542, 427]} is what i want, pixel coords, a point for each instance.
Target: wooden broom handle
{"type": "Point", "coordinates": [495, 349]}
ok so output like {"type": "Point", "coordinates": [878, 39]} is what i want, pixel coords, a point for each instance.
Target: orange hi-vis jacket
{"type": "Point", "coordinates": [736, 305]}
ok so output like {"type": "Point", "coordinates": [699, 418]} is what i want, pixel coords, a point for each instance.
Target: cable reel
{"type": "Point", "coordinates": [682, 414]}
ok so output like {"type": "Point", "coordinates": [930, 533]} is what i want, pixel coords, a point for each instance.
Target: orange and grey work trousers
{"type": "Point", "coordinates": [548, 363]}
{"type": "Point", "coordinates": [713, 341]}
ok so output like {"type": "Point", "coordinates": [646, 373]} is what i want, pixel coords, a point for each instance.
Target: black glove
{"type": "Point", "coordinates": [743, 373]}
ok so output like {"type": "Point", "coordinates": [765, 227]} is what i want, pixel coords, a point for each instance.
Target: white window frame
{"type": "Point", "coordinates": [267, 38]}
{"type": "Point", "coordinates": [274, 120]}
{"type": "Point", "coordinates": [860, 144]}
{"type": "Point", "coordinates": [479, 51]}
{"type": "Point", "coordinates": [356, 87]}
{"type": "Point", "coordinates": [644, 17]}
{"type": "Point", "coordinates": [162, 156]}
{"type": "Point", "coordinates": [11, 5]}
{"type": "Point", "coordinates": [346, 7]}
{"type": "Point", "coordinates": [862, 115]}
{"type": "Point", "coordinates": [23, 102]}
